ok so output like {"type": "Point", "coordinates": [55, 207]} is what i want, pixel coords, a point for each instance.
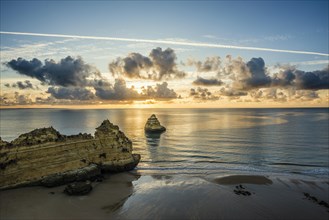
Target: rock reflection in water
{"type": "Point", "coordinates": [153, 139]}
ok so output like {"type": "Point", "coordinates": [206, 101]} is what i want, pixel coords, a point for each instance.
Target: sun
{"type": "Point", "coordinates": [139, 85]}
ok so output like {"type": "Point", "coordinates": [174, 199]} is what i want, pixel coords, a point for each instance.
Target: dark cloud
{"type": "Point", "coordinates": [119, 91]}
{"type": "Point", "coordinates": [32, 68]}
{"type": "Point", "coordinates": [131, 66]}
{"type": "Point", "coordinates": [258, 77]}
{"type": "Point", "coordinates": [291, 77]}
{"type": "Point", "coordinates": [164, 62]}
{"type": "Point", "coordinates": [315, 80]}
{"type": "Point", "coordinates": [22, 85]}
{"type": "Point", "coordinates": [207, 82]}
{"type": "Point", "coordinates": [160, 91]}
{"type": "Point", "coordinates": [159, 65]}
{"type": "Point", "coordinates": [202, 94]}
{"type": "Point", "coordinates": [71, 93]}
{"type": "Point", "coordinates": [283, 79]}
{"type": "Point", "coordinates": [66, 72]}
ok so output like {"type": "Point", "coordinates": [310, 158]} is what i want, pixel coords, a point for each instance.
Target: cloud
{"type": "Point", "coordinates": [160, 91]}
{"type": "Point", "coordinates": [30, 68]}
{"type": "Point", "coordinates": [210, 64]}
{"type": "Point", "coordinates": [246, 76]}
{"type": "Point", "coordinates": [231, 92]}
{"type": "Point", "coordinates": [172, 42]}
{"type": "Point", "coordinates": [283, 78]}
{"type": "Point", "coordinates": [202, 94]}
{"type": "Point", "coordinates": [280, 95]}
{"type": "Point", "coordinates": [165, 62]}
{"type": "Point", "coordinates": [207, 82]}
{"type": "Point", "coordinates": [315, 80]}
{"type": "Point", "coordinates": [301, 80]}
{"type": "Point", "coordinates": [255, 77]}
{"type": "Point", "coordinates": [71, 93]}
{"type": "Point", "coordinates": [131, 66]}
{"type": "Point", "coordinates": [15, 99]}
{"type": "Point", "coordinates": [73, 79]}
{"type": "Point", "coordinates": [304, 95]}
{"type": "Point", "coordinates": [120, 91]}
{"type": "Point", "coordinates": [21, 85]}
{"type": "Point", "coordinates": [67, 72]}
{"type": "Point", "coordinates": [160, 64]}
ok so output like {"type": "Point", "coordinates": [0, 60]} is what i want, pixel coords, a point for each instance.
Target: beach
{"type": "Point", "coordinates": [133, 195]}
{"type": "Point", "coordinates": [209, 164]}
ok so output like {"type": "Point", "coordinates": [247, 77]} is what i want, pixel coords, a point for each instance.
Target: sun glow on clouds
{"type": "Point", "coordinates": [156, 78]}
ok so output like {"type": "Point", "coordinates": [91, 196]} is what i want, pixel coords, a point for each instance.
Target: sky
{"type": "Point", "coordinates": [88, 54]}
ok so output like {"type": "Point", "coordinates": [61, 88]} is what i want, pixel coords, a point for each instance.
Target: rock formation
{"type": "Point", "coordinates": [78, 189]}
{"type": "Point", "coordinates": [153, 125]}
{"type": "Point", "coordinates": [46, 157]}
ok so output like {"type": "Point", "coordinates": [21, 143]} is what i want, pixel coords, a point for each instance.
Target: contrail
{"type": "Point", "coordinates": [166, 42]}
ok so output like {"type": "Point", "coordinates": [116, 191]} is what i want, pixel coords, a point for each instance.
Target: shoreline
{"type": "Point", "coordinates": [132, 195]}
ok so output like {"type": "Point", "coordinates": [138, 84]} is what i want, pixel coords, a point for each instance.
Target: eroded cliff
{"type": "Point", "coordinates": [46, 157]}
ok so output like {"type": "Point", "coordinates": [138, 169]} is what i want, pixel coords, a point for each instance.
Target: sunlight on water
{"type": "Point", "coordinates": [201, 140]}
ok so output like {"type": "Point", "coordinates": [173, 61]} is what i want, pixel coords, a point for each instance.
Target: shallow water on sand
{"type": "Point", "coordinates": [133, 196]}
{"type": "Point", "coordinates": [202, 141]}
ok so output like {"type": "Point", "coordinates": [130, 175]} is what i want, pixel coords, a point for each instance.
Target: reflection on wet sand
{"type": "Point", "coordinates": [106, 199]}
{"type": "Point", "coordinates": [114, 207]}
{"type": "Point", "coordinates": [179, 197]}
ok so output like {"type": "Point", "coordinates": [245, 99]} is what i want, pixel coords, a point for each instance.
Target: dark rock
{"type": "Point", "coordinates": [78, 188]}
{"type": "Point", "coordinates": [4, 164]}
{"type": "Point", "coordinates": [315, 200]}
{"type": "Point", "coordinates": [323, 203]}
{"type": "Point", "coordinates": [82, 174]}
{"type": "Point", "coordinates": [240, 190]}
{"type": "Point", "coordinates": [153, 125]}
{"type": "Point", "coordinates": [121, 168]}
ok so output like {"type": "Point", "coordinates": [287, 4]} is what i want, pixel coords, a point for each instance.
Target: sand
{"type": "Point", "coordinates": [134, 196]}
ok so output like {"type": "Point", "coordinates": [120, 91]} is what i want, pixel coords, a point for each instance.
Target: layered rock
{"type": "Point", "coordinates": [153, 125]}
{"type": "Point", "coordinates": [46, 157]}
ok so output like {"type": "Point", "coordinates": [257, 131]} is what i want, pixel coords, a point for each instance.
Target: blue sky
{"type": "Point", "coordinates": [294, 25]}
{"type": "Point", "coordinates": [287, 25]}
{"type": "Point", "coordinates": [304, 21]}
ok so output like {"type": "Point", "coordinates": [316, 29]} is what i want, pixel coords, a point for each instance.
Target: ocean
{"type": "Point", "coordinates": [201, 141]}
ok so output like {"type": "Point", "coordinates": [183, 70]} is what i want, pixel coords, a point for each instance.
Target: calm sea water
{"type": "Point", "coordinates": [202, 141]}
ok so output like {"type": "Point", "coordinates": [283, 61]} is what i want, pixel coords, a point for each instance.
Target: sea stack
{"type": "Point", "coordinates": [47, 158]}
{"type": "Point", "coordinates": [153, 125]}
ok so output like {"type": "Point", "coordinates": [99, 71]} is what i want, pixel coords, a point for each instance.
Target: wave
{"type": "Point", "coordinates": [212, 168]}
{"type": "Point", "coordinates": [296, 164]}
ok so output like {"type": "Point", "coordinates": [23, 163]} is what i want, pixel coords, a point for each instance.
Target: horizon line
{"type": "Point", "coordinates": [171, 42]}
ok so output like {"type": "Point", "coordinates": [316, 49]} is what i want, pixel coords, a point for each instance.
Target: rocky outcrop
{"type": "Point", "coordinates": [153, 125]}
{"type": "Point", "coordinates": [46, 157]}
{"type": "Point", "coordinates": [78, 189]}
{"type": "Point", "coordinates": [37, 136]}
{"type": "Point", "coordinates": [3, 143]}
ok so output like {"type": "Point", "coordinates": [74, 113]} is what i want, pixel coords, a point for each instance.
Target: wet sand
{"type": "Point", "coordinates": [135, 196]}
